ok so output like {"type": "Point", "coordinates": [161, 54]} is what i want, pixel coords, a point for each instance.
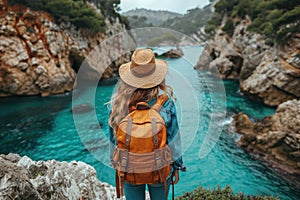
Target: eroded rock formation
{"type": "Point", "coordinates": [274, 139]}
{"type": "Point", "coordinates": [267, 73]}
{"type": "Point", "coordinates": [40, 57]}
{"type": "Point", "coordinates": [270, 74]}
{"type": "Point", "coordinates": [22, 178]}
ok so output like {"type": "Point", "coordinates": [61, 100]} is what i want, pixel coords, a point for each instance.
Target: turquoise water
{"type": "Point", "coordinates": [44, 128]}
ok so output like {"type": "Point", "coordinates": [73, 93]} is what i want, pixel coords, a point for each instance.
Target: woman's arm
{"type": "Point", "coordinates": [168, 112]}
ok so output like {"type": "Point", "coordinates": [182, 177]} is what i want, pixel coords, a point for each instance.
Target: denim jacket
{"type": "Point", "coordinates": [168, 113]}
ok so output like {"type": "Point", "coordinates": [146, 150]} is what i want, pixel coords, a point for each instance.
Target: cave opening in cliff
{"type": "Point", "coordinates": [75, 60]}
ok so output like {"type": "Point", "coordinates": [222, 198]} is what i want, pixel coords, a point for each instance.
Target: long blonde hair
{"type": "Point", "coordinates": [126, 96]}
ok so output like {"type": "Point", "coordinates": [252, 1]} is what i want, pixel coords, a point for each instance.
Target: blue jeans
{"type": "Point", "coordinates": [137, 192]}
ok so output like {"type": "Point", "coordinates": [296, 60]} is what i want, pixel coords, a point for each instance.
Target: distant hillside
{"type": "Point", "coordinates": [141, 17]}
{"type": "Point", "coordinates": [192, 23]}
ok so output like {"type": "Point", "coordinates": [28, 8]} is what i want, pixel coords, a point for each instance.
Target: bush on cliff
{"type": "Point", "coordinates": [218, 193]}
{"type": "Point", "coordinates": [75, 11]}
{"type": "Point", "coordinates": [277, 19]}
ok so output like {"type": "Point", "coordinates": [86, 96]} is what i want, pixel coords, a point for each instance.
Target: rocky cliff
{"type": "Point", "coordinates": [274, 139]}
{"type": "Point", "coordinates": [40, 57]}
{"type": "Point", "coordinates": [270, 74]}
{"type": "Point", "coordinates": [22, 178]}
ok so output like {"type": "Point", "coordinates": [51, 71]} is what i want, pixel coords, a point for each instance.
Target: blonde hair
{"type": "Point", "coordinates": [126, 96]}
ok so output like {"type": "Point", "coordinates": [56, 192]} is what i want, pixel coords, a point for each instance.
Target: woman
{"type": "Point", "coordinates": [143, 80]}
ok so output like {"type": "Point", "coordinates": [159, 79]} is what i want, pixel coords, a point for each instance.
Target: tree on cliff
{"type": "Point", "coordinates": [109, 7]}
{"type": "Point", "coordinates": [78, 12]}
{"type": "Point", "coordinates": [276, 19]}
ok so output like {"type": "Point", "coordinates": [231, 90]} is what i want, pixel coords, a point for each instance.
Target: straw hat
{"type": "Point", "coordinates": [144, 71]}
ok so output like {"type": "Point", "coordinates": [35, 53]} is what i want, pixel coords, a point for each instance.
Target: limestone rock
{"type": "Point", "coordinates": [243, 124]}
{"type": "Point", "coordinates": [275, 138]}
{"type": "Point", "coordinates": [40, 57]}
{"type": "Point", "coordinates": [269, 74]}
{"type": "Point", "coordinates": [173, 53]}
{"type": "Point", "coordinates": [22, 178]}
{"type": "Point", "coordinates": [221, 57]}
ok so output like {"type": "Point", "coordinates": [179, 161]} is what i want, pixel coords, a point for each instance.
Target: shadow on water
{"type": "Point", "coordinates": [24, 119]}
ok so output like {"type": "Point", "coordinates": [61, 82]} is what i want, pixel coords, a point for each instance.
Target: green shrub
{"type": "Point", "coordinates": [228, 28]}
{"type": "Point", "coordinates": [272, 18]}
{"type": "Point", "coordinates": [210, 30]}
{"type": "Point", "coordinates": [284, 34]}
{"type": "Point", "coordinates": [288, 17]}
{"type": "Point", "coordinates": [274, 14]}
{"type": "Point", "coordinates": [243, 8]}
{"type": "Point", "coordinates": [225, 5]}
{"type": "Point", "coordinates": [74, 11]}
{"type": "Point", "coordinates": [212, 24]}
{"type": "Point", "coordinates": [220, 194]}
{"type": "Point", "coordinates": [267, 29]}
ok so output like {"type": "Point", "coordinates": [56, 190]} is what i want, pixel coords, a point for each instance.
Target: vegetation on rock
{"type": "Point", "coordinates": [191, 21]}
{"type": "Point", "coordinates": [142, 17]}
{"type": "Point", "coordinates": [78, 12]}
{"type": "Point", "coordinates": [276, 19]}
{"type": "Point", "coordinates": [219, 193]}
{"type": "Point", "coordinates": [188, 23]}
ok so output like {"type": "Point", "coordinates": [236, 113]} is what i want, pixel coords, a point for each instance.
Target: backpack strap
{"type": "Point", "coordinates": [128, 133]}
{"type": "Point", "coordinates": [157, 106]}
{"type": "Point", "coordinates": [160, 102]}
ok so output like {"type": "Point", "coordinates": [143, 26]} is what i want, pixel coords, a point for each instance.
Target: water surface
{"type": "Point", "coordinates": [43, 128]}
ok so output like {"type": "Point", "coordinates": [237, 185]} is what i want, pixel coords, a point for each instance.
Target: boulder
{"type": "Point", "coordinates": [172, 53]}
{"type": "Point", "coordinates": [23, 178]}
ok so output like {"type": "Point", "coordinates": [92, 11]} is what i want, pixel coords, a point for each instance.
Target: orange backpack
{"type": "Point", "coordinates": [142, 155]}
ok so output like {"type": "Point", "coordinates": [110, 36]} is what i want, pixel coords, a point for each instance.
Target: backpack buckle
{"type": "Point", "coordinates": [158, 162]}
{"type": "Point", "coordinates": [123, 163]}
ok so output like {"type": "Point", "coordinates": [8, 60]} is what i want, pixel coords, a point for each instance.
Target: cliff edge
{"type": "Point", "coordinates": [41, 56]}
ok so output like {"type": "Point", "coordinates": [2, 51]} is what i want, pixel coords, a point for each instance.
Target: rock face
{"type": "Point", "coordinates": [38, 56]}
{"type": "Point", "coordinates": [22, 178]}
{"type": "Point", "coordinates": [274, 139]}
{"type": "Point", "coordinates": [267, 73]}
{"type": "Point", "coordinates": [271, 74]}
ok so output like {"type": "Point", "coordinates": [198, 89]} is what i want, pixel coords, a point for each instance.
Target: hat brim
{"type": "Point", "coordinates": [144, 82]}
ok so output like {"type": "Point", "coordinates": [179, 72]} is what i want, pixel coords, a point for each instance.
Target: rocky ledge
{"type": "Point", "coordinates": [22, 178]}
{"type": "Point", "coordinates": [274, 139]}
